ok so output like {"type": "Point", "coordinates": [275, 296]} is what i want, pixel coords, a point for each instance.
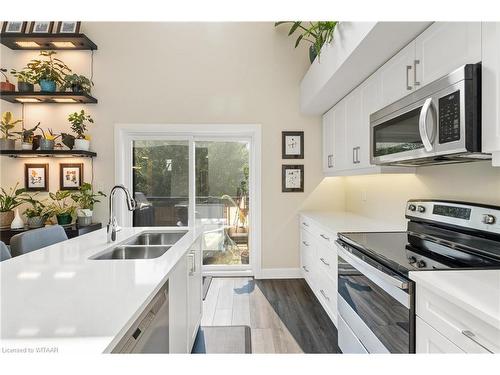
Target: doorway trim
{"type": "Point", "coordinates": [124, 134]}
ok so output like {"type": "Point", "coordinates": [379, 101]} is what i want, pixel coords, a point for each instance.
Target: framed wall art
{"type": "Point", "coordinates": [70, 176]}
{"type": "Point", "coordinates": [41, 27]}
{"type": "Point", "coordinates": [68, 27]}
{"type": "Point", "coordinates": [292, 145]}
{"type": "Point", "coordinates": [292, 178]}
{"type": "Point", "coordinates": [36, 177]}
{"type": "Point", "coordinates": [14, 27]}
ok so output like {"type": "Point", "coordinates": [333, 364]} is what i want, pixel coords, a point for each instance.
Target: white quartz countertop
{"type": "Point", "coordinates": [476, 291]}
{"type": "Point", "coordinates": [339, 221]}
{"type": "Point", "coordinates": [58, 297]}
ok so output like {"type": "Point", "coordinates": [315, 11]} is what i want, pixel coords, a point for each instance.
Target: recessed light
{"type": "Point", "coordinates": [63, 44]}
{"type": "Point", "coordinates": [28, 44]}
{"type": "Point", "coordinates": [64, 100]}
{"type": "Point", "coordinates": [28, 100]}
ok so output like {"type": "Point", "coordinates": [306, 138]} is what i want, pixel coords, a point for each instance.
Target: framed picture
{"type": "Point", "coordinates": [292, 178]}
{"type": "Point", "coordinates": [36, 177]}
{"type": "Point", "coordinates": [292, 145]}
{"type": "Point", "coordinates": [41, 27]}
{"type": "Point", "coordinates": [70, 176]}
{"type": "Point", "coordinates": [14, 27]}
{"type": "Point", "coordinates": [68, 27]}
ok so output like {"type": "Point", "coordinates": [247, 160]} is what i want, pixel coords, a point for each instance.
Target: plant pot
{"type": "Point", "coordinates": [47, 85]}
{"type": "Point", "coordinates": [84, 216]}
{"type": "Point", "coordinates": [46, 144]}
{"type": "Point", "coordinates": [68, 140]}
{"type": "Point", "coordinates": [36, 142]}
{"type": "Point", "coordinates": [81, 144]}
{"type": "Point", "coordinates": [64, 219]}
{"type": "Point", "coordinates": [6, 219]}
{"type": "Point", "coordinates": [36, 222]}
{"type": "Point", "coordinates": [26, 146]}
{"type": "Point", "coordinates": [312, 53]}
{"type": "Point", "coordinates": [7, 86]}
{"type": "Point", "coordinates": [18, 222]}
{"type": "Point", "coordinates": [25, 87]}
{"type": "Point", "coordinates": [7, 144]}
{"type": "Point", "coordinates": [76, 88]}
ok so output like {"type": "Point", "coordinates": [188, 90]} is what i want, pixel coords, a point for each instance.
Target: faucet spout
{"type": "Point", "coordinates": [112, 227]}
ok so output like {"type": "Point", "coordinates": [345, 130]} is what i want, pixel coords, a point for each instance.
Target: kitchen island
{"type": "Point", "coordinates": [58, 299]}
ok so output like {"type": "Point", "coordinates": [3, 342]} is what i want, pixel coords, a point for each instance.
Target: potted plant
{"type": "Point", "coordinates": [61, 207]}
{"type": "Point", "coordinates": [9, 201]}
{"type": "Point", "coordinates": [26, 136]}
{"type": "Point", "coordinates": [49, 72]}
{"type": "Point", "coordinates": [25, 79]}
{"type": "Point", "coordinates": [86, 199]}
{"type": "Point", "coordinates": [78, 125]}
{"type": "Point", "coordinates": [77, 83]}
{"type": "Point", "coordinates": [37, 214]}
{"type": "Point", "coordinates": [317, 33]}
{"type": "Point", "coordinates": [47, 141]}
{"type": "Point", "coordinates": [7, 141]}
{"type": "Point", "coordinates": [6, 86]}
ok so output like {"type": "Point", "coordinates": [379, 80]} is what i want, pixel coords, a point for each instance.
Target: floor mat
{"type": "Point", "coordinates": [223, 340]}
{"type": "Point", "coordinates": [207, 280]}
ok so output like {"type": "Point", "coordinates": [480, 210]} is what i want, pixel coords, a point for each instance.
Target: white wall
{"type": "Point", "coordinates": [195, 73]}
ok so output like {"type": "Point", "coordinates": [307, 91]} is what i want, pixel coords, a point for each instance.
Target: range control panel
{"type": "Point", "coordinates": [449, 118]}
{"type": "Point", "coordinates": [465, 215]}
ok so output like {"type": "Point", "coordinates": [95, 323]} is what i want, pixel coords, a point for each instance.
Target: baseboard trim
{"type": "Point", "coordinates": [280, 273]}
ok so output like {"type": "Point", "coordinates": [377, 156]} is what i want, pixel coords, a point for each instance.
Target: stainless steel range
{"type": "Point", "coordinates": [375, 295]}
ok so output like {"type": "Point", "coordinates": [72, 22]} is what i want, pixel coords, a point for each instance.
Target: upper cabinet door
{"type": "Point", "coordinates": [444, 47]}
{"type": "Point", "coordinates": [339, 161]}
{"type": "Point", "coordinates": [355, 129]}
{"type": "Point", "coordinates": [328, 141]}
{"type": "Point", "coordinates": [371, 101]}
{"type": "Point", "coordinates": [397, 75]}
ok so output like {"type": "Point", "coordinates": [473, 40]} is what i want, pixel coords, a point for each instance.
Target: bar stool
{"type": "Point", "coordinates": [4, 252]}
{"type": "Point", "coordinates": [35, 239]}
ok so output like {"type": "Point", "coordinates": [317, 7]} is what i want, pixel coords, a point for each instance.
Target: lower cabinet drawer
{"type": "Point", "coordinates": [327, 260]}
{"type": "Point", "coordinates": [429, 340]}
{"type": "Point", "coordinates": [462, 328]}
{"type": "Point", "coordinates": [326, 291]}
{"type": "Point", "coordinates": [348, 342]}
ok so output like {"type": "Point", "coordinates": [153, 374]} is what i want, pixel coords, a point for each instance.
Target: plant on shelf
{"type": "Point", "coordinates": [85, 198]}
{"type": "Point", "coordinates": [77, 83]}
{"type": "Point", "coordinates": [78, 122]}
{"type": "Point", "coordinates": [6, 86]}
{"type": "Point", "coordinates": [37, 213]}
{"type": "Point", "coordinates": [26, 136]}
{"type": "Point", "coordinates": [316, 33]}
{"type": "Point", "coordinates": [25, 79]}
{"type": "Point", "coordinates": [49, 72]}
{"type": "Point", "coordinates": [8, 202]}
{"type": "Point", "coordinates": [47, 141]}
{"type": "Point", "coordinates": [61, 207]}
{"type": "Point", "coordinates": [7, 140]}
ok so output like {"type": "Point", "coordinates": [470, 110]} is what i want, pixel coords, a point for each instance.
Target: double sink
{"type": "Point", "coordinates": [147, 245]}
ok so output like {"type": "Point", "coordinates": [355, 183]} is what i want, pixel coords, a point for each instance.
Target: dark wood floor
{"type": "Point", "coordinates": [284, 315]}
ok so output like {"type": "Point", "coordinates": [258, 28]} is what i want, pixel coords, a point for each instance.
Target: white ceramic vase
{"type": "Point", "coordinates": [18, 222]}
{"type": "Point", "coordinates": [81, 144]}
{"type": "Point", "coordinates": [26, 146]}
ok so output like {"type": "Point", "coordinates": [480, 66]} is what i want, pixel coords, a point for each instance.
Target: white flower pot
{"type": "Point", "coordinates": [81, 144]}
{"type": "Point", "coordinates": [26, 146]}
{"type": "Point", "coordinates": [84, 217]}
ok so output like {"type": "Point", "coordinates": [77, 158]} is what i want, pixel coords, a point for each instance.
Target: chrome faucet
{"type": "Point", "coordinates": [131, 205]}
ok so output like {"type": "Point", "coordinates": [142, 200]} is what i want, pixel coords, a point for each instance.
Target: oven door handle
{"type": "Point", "coordinates": [370, 270]}
{"type": "Point", "coordinates": [422, 125]}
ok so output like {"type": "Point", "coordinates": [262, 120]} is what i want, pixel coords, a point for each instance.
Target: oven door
{"type": "Point", "coordinates": [375, 304]}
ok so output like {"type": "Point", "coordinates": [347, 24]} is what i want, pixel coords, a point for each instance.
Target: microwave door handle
{"type": "Point", "coordinates": [422, 125]}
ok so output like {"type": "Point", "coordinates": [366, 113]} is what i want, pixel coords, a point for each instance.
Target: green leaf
{"type": "Point", "coordinates": [298, 40]}
{"type": "Point", "coordinates": [294, 27]}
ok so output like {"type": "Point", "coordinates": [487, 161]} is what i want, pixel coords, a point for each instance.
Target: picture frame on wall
{"type": "Point", "coordinates": [292, 178]}
{"type": "Point", "coordinates": [292, 145]}
{"type": "Point", "coordinates": [68, 27]}
{"type": "Point", "coordinates": [14, 27]}
{"type": "Point", "coordinates": [41, 27]}
{"type": "Point", "coordinates": [36, 177]}
{"type": "Point", "coordinates": [70, 176]}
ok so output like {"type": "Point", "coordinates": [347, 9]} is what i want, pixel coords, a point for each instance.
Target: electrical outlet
{"type": "Point", "coordinates": [363, 196]}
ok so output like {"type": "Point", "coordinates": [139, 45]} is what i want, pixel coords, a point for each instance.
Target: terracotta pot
{"type": "Point", "coordinates": [7, 86]}
{"type": "Point", "coordinates": [6, 219]}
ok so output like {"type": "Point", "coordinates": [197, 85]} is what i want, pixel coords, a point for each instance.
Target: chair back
{"type": "Point", "coordinates": [4, 252]}
{"type": "Point", "coordinates": [35, 239]}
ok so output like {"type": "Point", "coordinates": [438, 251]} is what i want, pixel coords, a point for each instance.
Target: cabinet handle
{"type": "Point", "coordinates": [324, 295]}
{"type": "Point", "coordinates": [415, 82]}
{"type": "Point", "coordinates": [408, 87]}
{"type": "Point", "coordinates": [324, 237]}
{"type": "Point", "coordinates": [305, 268]}
{"type": "Point", "coordinates": [354, 155]}
{"type": "Point", "coordinates": [305, 243]}
{"type": "Point", "coordinates": [192, 259]}
{"type": "Point", "coordinates": [324, 262]}
{"type": "Point", "coordinates": [305, 224]}
{"type": "Point", "coordinates": [470, 335]}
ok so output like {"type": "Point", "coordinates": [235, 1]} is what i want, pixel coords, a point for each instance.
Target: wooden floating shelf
{"type": "Point", "coordinates": [48, 153]}
{"type": "Point", "coordinates": [38, 97]}
{"type": "Point", "coordinates": [45, 41]}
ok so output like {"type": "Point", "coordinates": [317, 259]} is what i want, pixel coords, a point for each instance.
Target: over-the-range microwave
{"type": "Point", "coordinates": [440, 123]}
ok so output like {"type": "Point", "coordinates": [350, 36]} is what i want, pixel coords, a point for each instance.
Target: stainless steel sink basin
{"type": "Point", "coordinates": [156, 238]}
{"type": "Point", "coordinates": [133, 252]}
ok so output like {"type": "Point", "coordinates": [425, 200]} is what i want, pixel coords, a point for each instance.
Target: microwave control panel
{"type": "Point", "coordinates": [449, 118]}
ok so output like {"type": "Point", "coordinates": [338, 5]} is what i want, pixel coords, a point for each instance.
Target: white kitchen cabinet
{"type": "Point", "coordinates": [328, 141]}
{"type": "Point", "coordinates": [178, 295]}
{"type": "Point", "coordinates": [371, 101]}
{"type": "Point", "coordinates": [194, 291]}
{"type": "Point", "coordinates": [356, 130]}
{"type": "Point", "coordinates": [334, 139]}
{"type": "Point", "coordinates": [428, 340]}
{"type": "Point", "coordinates": [491, 90]}
{"type": "Point", "coordinates": [444, 47]}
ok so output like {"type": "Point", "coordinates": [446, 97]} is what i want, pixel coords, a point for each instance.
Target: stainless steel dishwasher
{"type": "Point", "coordinates": [150, 332]}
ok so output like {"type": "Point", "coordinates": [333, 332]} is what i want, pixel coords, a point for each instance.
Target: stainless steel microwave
{"type": "Point", "coordinates": [440, 123]}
